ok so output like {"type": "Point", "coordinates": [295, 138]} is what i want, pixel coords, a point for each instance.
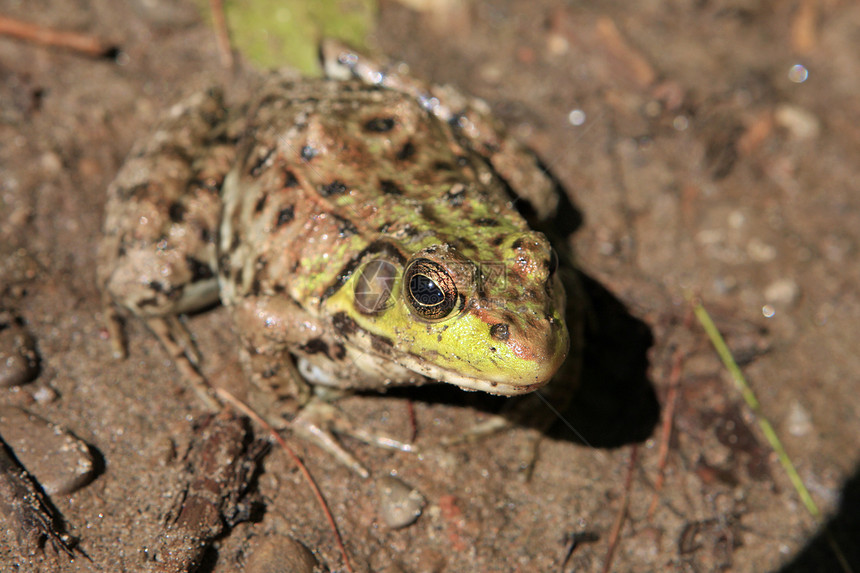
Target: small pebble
{"type": "Point", "coordinates": [273, 554]}
{"type": "Point", "coordinates": [782, 291]}
{"type": "Point", "coordinates": [59, 461]}
{"type": "Point", "coordinates": [399, 504]}
{"type": "Point", "coordinates": [19, 363]}
{"type": "Point", "coordinates": [798, 421]}
{"type": "Point", "coordinates": [45, 395]}
{"type": "Point", "coordinates": [800, 123]}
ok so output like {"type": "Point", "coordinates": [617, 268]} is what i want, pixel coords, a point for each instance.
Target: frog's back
{"type": "Point", "coordinates": [332, 171]}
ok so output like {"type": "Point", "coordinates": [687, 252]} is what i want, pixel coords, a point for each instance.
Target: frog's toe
{"type": "Point", "coordinates": [318, 421]}
{"type": "Point", "coordinates": [175, 338]}
{"type": "Point", "coordinates": [315, 423]}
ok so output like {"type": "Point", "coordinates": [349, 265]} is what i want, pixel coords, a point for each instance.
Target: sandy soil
{"type": "Point", "coordinates": [702, 160]}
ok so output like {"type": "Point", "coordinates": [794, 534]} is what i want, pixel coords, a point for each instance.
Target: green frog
{"type": "Point", "coordinates": [361, 227]}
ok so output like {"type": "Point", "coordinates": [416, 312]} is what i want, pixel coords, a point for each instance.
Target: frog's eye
{"type": "Point", "coordinates": [373, 287]}
{"type": "Point", "coordinates": [430, 290]}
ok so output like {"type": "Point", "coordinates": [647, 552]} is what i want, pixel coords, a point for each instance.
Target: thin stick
{"type": "Point", "coordinates": [769, 433]}
{"type": "Point", "coordinates": [245, 409]}
{"type": "Point", "coordinates": [615, 535]}
{"type": "Point", "coordinates": [413, 421]}
{"type": "Point", "coordinates": [222, 34]}
{"type": "Point", "coordinates": [668, 420]}
{"type": "Point", "coordinates": [87, 45]}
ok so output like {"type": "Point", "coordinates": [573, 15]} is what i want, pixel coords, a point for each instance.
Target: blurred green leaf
{"type": "Point", "coordinates": [277, 33]}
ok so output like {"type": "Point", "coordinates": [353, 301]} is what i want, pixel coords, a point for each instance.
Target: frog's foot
{"type": "Point", "coordinates": [174, 337]}
{"type": "Point", "coordinates": [319, 420]}
{"type": "Point", "coordinates": [490, 427]}
{"type": "Point", "coordinates": [526, 412]}
{"type": "Point", "coordinates": [528, 448]}
{"type": "Point", "coordinates": [176, 340]}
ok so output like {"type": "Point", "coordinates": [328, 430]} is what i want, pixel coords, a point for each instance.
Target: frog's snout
{"type": "Point", "coordinates": [537, 344]}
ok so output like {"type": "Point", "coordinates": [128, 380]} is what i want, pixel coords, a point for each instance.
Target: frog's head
{"type": "Point", "coordinates": [496, 326]}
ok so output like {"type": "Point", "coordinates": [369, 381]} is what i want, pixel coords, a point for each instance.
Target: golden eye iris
{"type": "Point", "coordinates": [430, 290]}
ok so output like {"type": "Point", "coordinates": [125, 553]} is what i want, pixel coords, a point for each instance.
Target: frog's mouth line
{"type": "Point", "coordinates": [469, 383]}
{"type": "Point", "coordinates": [381, 347]}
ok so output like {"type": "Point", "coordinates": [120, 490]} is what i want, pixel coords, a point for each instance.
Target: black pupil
{"type": "Point", "coordinates": [425, 291]}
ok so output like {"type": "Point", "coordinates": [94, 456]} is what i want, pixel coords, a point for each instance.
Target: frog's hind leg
{"type": "Point", "coordinates": [158, 256]}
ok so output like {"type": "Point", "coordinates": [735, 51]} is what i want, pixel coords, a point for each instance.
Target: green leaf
{"type": "Point", "coordinates": [278, 33]}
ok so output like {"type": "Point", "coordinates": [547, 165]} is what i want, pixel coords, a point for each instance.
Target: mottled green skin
{"type": "Point", "coordinates": [329, 176]}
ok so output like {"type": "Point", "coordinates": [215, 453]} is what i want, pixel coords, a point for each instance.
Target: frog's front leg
{"type": "Point", "coordinates": [273, 330]}
{"type": "Point", "coordinates": [158, 256]}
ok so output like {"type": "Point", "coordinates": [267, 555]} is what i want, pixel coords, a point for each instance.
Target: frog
{"type": "Point", "coordinates": [361, 229]}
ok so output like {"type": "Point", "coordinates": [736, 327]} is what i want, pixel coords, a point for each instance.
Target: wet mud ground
{"type": "Point", "coordinates": [710, 148]}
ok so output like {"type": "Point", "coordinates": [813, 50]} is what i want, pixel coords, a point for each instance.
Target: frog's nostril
{"type": "Point", "coordinates": [500, 331]}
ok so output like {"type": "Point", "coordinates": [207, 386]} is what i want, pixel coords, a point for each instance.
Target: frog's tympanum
{"type": "Point", "coordinates": [362, 227]}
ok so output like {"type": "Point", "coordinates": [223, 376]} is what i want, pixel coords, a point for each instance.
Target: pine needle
{"type": "Point", "coordinates": [770, 434]}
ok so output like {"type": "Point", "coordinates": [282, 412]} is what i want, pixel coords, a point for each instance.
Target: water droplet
{"type": "Point", "coordinates": [576, 117]}
{"type": "Point", "coordinates": [798, 73]}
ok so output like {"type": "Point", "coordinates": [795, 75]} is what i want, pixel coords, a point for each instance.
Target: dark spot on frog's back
{"type": "Point", "coordinates": [258, 165]}
{"type": "Point", "coordinates": [261, 202]}
{"type": "Point", "coordinates": [390, 187]}
{"type": "Point", "coordinates": [381, 344]}
{"type": "Point", "coordinates": [285, 216]}
{"type": "Point", "coordinates": [344, 324]}
{"type": "Point", "coordinates": [314, 346]}
{"type": "Point", "coordinates": [334, 188]}
{"type": "Point", "coordinates": [517, 245]}
{"type": "Point", "coordinates": [406, 152]}
{"type": "Point", "coordinates": [380, 124]}
{"type": "Point", "coordinates": [176, 212]}
{"type": "Point", "coordinates": [339, 352]}
{"type": "Point", "coordinates": [462, 243]}
{"type": "Point", "coordinates": [456, 195]}
{"type": "Point", "coordinates": [139, 192]}
{"type": "Point", "coordinates": [199, 269]}
{"type": "Point", "coordinates": [290, 179]}
{"type": "Point", "coordinates": [486, 222]}
{"type": "Point", "coordinates": [500, 331]}
{"type": "Point", "coordinates": [345, 228]}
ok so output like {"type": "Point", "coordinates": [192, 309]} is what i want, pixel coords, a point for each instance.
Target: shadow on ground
{"type": "Point", "coordinates": [612, 404]}
{"type": "Point", "coordinates": [843, 528]}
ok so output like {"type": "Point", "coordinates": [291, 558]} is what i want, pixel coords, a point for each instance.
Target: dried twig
{"type": "Point", "coordinates": [248, 411]}
{"type": "Point", "coordinates": [222, 34]}
{"type": "Point", "coordinates": [81, 43]}
{"type": "Point", "coordinates": [666, 435]}
{"type": "Point", "coordinates": [615, 535]}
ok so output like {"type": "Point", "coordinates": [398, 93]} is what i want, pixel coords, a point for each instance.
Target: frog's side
{"type": "Point", "coordinates": [345, 224]}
